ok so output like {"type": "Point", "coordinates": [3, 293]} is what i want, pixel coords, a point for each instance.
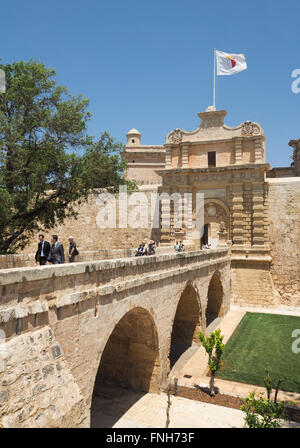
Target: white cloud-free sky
{"type": "Point", "coordinates": [149, 65]}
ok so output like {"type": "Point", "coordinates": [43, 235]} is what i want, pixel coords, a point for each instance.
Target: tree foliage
{"type": "Point", "coordinates": [214, 347]}
{"type": "Point", "coordinates": [48, 162]}
{"type": "Point", "coordinates": [264, 412]}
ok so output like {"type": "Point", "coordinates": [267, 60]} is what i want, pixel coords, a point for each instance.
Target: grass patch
{"type": "Point", "coordinates": [263, 340]}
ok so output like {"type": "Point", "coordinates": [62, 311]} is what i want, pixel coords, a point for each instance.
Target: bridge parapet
{"type": "Point", "coordinates": [58, 282]}
{"type": "Point", "coordinates": [62, 322]}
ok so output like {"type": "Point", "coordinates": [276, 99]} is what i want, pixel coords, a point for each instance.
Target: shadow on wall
{"type": "Point", "coordinates": [130, 362]}
{"type": "Point", "coordinates": [215, 306]}
{"type": "Point", "coordinates": [186, 324]}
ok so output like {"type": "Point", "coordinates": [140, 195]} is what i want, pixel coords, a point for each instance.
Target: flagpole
{"type": "Point", "coordinates": [214, 88]}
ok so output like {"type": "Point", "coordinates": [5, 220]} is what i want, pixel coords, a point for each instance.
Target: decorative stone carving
{"type": "Point", "coordinates": [211, 210]}
{"type": "Point", "coordinates": [212, 118]}
{"type": "Point", "coordinates": [215, 213]}
{"type": "Point", "coordinates": [222, 227]}
{"type": "Point", "coordinates": [295, 144]}
{"type": "Point", "coordinates": [215, 210]}
{"type": "Point", "coordinates": [249, 129]}
{"type": "Point", "coordinates": [222, 235]}
{"type": "Point", "coordinates": [212, 122]}
{"type": "Point", "coordinates": [174, 136]}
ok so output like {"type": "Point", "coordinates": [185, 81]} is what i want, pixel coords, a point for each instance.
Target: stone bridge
{"type": "Point", "coordinates": [71, 328]}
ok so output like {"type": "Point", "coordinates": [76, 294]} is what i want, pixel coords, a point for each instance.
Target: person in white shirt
{"type": "Point", "coordinates": [176, 246]}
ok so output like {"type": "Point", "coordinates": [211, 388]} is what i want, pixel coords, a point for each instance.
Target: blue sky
{"type": "Point", "coordinates": [149, 65]}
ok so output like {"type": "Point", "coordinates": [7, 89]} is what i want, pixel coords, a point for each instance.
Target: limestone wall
{"type": "Point", "coordinates": [144, 171]}
{"type": "Point", "coordinates": [142, 161]}
{"type": "Point", "coordinates": [252, 283]}
{"type": "Point", "coordinates": [284, 218]}
{"type": "Point", "coordinates": [89, 236]}
{"type": "Point", "coordinates": [225, 155]}
{"type": "Point", "coordinates": [37, 387]}
{"type": "Point", "coordinates": [259, 282]}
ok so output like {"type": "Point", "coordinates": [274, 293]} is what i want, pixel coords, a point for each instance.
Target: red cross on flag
{"type": "Point", "coordinates": [229, 64]}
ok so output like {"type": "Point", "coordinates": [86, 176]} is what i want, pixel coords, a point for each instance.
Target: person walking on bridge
{"type": "Point", "coordinates": [43, 251]}
{"type": "Point", "coordinates": [72, 250]}
{"type": "Point", "coordinates": [57, 254]}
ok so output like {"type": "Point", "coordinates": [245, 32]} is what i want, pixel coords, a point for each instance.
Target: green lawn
{"type": "Point", "coordinates": [259, 341]}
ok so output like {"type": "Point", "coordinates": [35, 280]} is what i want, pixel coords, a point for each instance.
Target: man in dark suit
{"type": "Point", "coordinates": [57, 254]}
{"type": "Point", "coordinates": [43, 251]}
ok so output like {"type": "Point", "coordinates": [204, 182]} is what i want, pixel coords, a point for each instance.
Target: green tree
{"type": "Point", "coordinates": [263, 412]}
{"type": "Point", "coordinates": [214, 348]}
{"type": "Point", "coordinates": [48, 163]}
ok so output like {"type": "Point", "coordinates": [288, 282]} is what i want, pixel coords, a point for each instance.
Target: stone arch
{"type": "Point", "coordinates": [186, 322]}
{"type": "Point", "coordinates": [215, 299]}
{"type": "Point", "coordinates": [130, 360]}
{"type": "Point", "coordinates": [130, 357]}
{"type": "Point", "coordinates": [216, 211]}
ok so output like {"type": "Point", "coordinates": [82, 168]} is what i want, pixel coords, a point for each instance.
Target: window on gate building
{"type": "Point", "coordinates": [211, 158]}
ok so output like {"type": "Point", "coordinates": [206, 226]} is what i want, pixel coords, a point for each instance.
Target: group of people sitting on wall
{"type": "Point", "coordinates": [179, 246]}
{"type": "Point", "coordinates": [54, 253]}
{"type": "Point", "coordinates": [146, 249]}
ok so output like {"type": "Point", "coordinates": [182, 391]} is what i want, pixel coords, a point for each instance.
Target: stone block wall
{"type": "Point", "coordinates": [90, 237]}
{"type": "Point", "coordinates": [198, 157]}
{"type": "Point", "coordinates": [251, 283]}
{"type": "Point", "coordinates": [37, 388]}
{"type": "Point", "coordinates": [57, 321]}
{"type": "Point", "coordinates": [284, 229]}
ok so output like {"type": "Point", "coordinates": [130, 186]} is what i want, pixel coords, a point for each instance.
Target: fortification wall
{"type": "Point", "coordinates": [37, 388]}
{"type": "Point", "coordinates": [251, 282]}
{"type": "Point", "coordinates": [283, 285]}
{"type": "Point", "coordinates": [88, 234]}
{"type": "Point", "coordinates": [284, 219]}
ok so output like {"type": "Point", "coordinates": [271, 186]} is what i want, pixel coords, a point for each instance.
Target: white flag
{"type": "Point", "coordinates": [229, 64]}
{"type": "Point", "coordinates": [2, 81]}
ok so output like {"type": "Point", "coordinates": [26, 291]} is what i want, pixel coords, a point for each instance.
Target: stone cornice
{"type": "Point", "coordinates": [145, 164]}
{"type": "Point", "coordinates": [212, 128]}
{"type": "Point", "coordinates": [216, 170]}
{"type": "Point", "coordinates": [212, 141]}
{"type": "Point", "coordinates": [149, 148]}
